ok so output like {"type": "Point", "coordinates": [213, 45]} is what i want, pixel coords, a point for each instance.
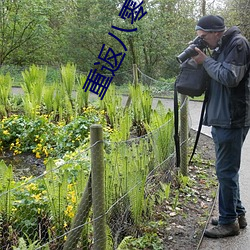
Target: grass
{"type": "Point", "coordinates": [53, 74]}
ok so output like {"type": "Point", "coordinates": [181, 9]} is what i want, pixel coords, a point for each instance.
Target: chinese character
{"type": "Point", "coordinates": [129, 9]}
{"type": "Point", "coordinates": [107, 58]}
{"type": "Point", "coordinates": [97, 83]}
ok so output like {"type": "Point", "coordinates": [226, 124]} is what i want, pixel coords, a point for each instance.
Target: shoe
{"type": "Point", "coordinates": [241, 219]}
{"type": "Point", "coordinates": [221, 231]}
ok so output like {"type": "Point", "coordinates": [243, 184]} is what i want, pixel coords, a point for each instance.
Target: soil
{"type": "Point", "coordinates": [25, 164]}
{"type": "Point", "coordinates": [187, 222]}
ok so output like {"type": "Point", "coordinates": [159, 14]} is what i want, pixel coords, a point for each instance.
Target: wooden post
{"type": "Point", "coordinates": [184, 135]}
{"type": "Point", "coordinates": [80, 218]}
{"type": "Point", "coordinates": [135, 74]}
{"type": "Point", "coordinates": [135, 77]}
{"type": "Point", "coordinates": [98, 195]}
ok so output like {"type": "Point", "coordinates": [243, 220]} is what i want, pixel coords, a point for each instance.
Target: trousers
{"type": "Point", "coordinates": [228, 146]}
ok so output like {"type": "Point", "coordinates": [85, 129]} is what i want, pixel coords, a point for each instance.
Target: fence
{"type": "Point", "coordinates": [95, 202]}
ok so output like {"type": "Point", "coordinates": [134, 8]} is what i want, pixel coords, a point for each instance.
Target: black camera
{"type": "Point", "coordinates": [190, 51]}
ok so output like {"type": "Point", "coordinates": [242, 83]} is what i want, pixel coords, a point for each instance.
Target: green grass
{"type": "Point", "coordinates": [53, 73]}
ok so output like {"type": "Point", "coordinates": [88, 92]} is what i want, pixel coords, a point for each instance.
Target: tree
{"type": "Point", "coordinates": [21, 21]}
{"type": "Point", "coordinates": [237, 13]}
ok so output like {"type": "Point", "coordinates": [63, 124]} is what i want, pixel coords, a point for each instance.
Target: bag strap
{"type": "Point", "coordinates": [176, 126]}
{"type": "Point", "coordinates": [199, 127]}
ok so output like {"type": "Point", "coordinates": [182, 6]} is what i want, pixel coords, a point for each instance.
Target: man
{"type": "Point", "coordinates": [228, 112]}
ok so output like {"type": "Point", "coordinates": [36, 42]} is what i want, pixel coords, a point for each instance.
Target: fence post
{"type": "Point", "coordinates": [135, 74]}
{"type": "Point", "coordinates": [184, 135]}
{"type": "Point", "coordinates": [135, 77]}
{"type": "Point", "coordinates": [98, 195]}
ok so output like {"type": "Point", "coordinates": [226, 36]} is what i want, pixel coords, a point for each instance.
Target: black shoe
{"type": "Point", "coordinates": [241, 219]}
{"type": "Point", "coordinates": [221, 231]}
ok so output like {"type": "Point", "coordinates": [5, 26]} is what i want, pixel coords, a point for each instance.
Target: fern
{"type": "Point", "coordinates": [33, 86]}
{"type": "Point", "coordinates": [68, 74]}
{"type": "Point", "coordinates": [56, 184]}
{"type": "Point", "coordinates": [6, 184]}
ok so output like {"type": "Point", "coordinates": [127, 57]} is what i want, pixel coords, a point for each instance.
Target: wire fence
{"type": "Point", "coordinates": [55, 210]}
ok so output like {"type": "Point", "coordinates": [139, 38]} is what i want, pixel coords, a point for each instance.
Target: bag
{"type": "Point", "coordinates": [192, 80]}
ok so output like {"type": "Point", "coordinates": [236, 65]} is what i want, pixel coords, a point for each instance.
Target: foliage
{"type": "Point", "coordinates": [141, 106]}
{"type": "Point", "coordinates": [147, 241]}
{"type": "Point", "coordinates": [51, 200]}
{"type": "Point", "coordinates": [22, 23]}
{"type": "Point", "coordinates": [114, 109]}
{"type": "Point", "coordinates": [68, 73]}
{"type": "Point", "coordinates": [52, 32]}
{"type": "Point", "coordinates": [43, 137]}
{"type": "Point", "coordinates": [82, 97]}
{"type": "Point", "coordinates": [34, 81]}
{"type": "Point", "coordinates": [6, 184]}
{"type": "Point", "coordinates": [5, 89]}
{"type": "Point", "coordinates": [161, 126]}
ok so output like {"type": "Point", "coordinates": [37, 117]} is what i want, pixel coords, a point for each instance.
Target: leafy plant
{"type": "Point", "coordinates": [161, 126]}
{"type": "Point", "coordinates": [82, 97]}
{"type": "Point", "coordinates": [164, 191]}
{"type": "Point", "coordinates": [6, 184]}
{"type": "Point", "coordinates": [141, 104]}
{"type": "Point", "coordinates": [113, 109]}
{"type": "Point", "coordinates": [68, 74]}
{"type": "Point", "coordinates": [22, 245]}
{"type": "Point", "coordinates": [147, 241]}
{"type": "Point", "coordinates": [33, 85]}
{"type": "Point", "coordinates": [48, 98]}
{"type": "Point", "coordinates": [5, 89]}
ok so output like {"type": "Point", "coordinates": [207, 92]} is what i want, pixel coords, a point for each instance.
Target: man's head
{"type": "Point", "coordinates": [211, 29]}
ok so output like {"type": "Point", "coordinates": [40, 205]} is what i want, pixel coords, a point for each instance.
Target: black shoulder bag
{"type": "Point", "coordinates": [191, 81]}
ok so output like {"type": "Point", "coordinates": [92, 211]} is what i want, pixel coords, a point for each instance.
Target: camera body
{"type": "Point", "coordinates": [190, 51]}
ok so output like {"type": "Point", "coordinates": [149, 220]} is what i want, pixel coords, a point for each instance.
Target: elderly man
{"type": "Point", "coordinates": [228, 112]}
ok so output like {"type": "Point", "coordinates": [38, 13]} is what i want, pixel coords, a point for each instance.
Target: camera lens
{"type": "Point", "coordinates": [187, 53]}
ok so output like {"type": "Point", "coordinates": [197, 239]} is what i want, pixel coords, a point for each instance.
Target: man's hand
{"type": "Point", "coordinates": [200, 58]}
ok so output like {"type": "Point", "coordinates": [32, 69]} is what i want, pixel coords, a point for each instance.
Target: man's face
{"type": "Point", "coordinates": [211, 38]}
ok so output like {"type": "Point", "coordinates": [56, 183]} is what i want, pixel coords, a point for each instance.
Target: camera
{"type": "Point", "coordinates": [190, 51]}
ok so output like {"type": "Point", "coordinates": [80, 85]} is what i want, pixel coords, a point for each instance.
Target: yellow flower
{"type": "Point", "coordinates": [73, 199]}
{"type": "Point", "coordinates": [69, 211]}
{"type": "Point", "coordinates": [12, 145]}
{"type": "Point", "coordinates": [37, 196]}
{"type": "Point", "coordinates": [38, 155]}
{"type": "Point", "coordinates": [6, 132]}
{"type": "Point", "coordinates": [31, 187]}
{"type": "Point", "coordinates": [14, 209]}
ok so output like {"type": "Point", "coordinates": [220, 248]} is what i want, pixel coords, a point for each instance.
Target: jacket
{"type": "Point", "coordinates": [228, 103]}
